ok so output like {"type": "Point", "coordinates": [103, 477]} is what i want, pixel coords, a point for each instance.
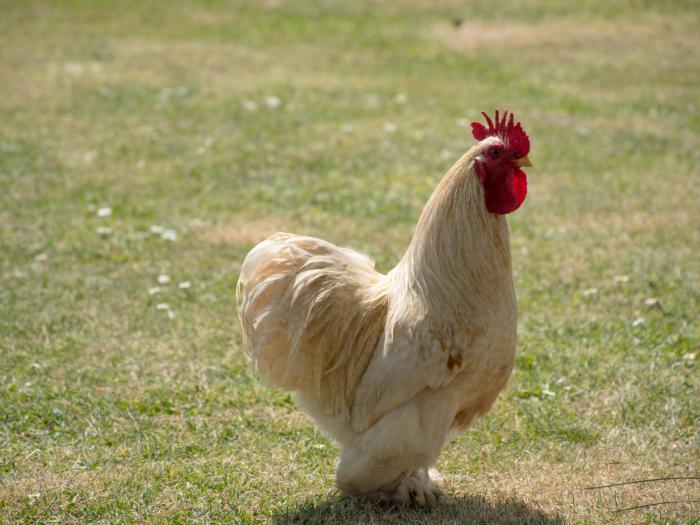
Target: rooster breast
{"type": "Point", "coordinates": [464, 359]}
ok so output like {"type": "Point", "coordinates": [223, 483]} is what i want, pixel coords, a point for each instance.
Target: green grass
{"type": "Point", "coordinates": [112, 410]}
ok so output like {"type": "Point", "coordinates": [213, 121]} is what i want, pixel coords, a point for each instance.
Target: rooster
{"type": "Point", "coordinates": [390, 365]}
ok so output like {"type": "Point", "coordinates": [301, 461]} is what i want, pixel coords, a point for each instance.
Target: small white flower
{"type": "Point", "coordinates": [155, 229]}
{"type": "Point", "coordinates": [103, 230]}
{"type": "Point", "coordinates": [690, 356]}
{"type": "Point", "coordinates": [104, 212]}
{"type": "Point", "coordinates": [589, 292]}
{"type": "Point", "coordinates": [652, 301]}
{"type": "Point", "coordinates": [621, 279]}
{"type": "Point", "coordinates": [638, 321]}
{"type": "Point", "coordinates": [154, 290]}
{"type": "Point", "coordinates": [400, 98]}
{"type": "Point", "coordinates": [163, 279]}
{"type": "Point", "coordinates": [390, 127]}
{"type": "Point", "coordinates": [165, 307]}
{"type": "Point", "coordinates": [272, 101]}
{"type": "Point", "coordinates": [547, 392]}
{"type": "Point", "coordinates": [346, 128]}
{"type": "Point", "coordinates": [184, 285]}
{"type": "Point", "coordinates": [169, 235]}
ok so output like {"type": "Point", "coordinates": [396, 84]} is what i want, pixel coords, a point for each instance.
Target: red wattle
{"type": "Point", "coordinates": [506, 193]}
{"type": "Point", "coordinates": [519, 186]}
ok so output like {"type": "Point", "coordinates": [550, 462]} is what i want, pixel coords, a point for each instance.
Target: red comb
{"type": "Point", "coordinates": [504, 128]}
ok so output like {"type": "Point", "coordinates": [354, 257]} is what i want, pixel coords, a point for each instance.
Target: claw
{"type": "Point", "coordinates": [418, 489]}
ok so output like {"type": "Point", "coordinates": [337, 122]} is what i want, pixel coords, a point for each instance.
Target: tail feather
{"type": "Point", "coordinates": [312, 314]}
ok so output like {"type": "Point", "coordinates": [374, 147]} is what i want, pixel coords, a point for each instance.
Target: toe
{"type": "Point", "coordinates": [419, 498]}
{"type": "Point", "coordinates": [402, 494]}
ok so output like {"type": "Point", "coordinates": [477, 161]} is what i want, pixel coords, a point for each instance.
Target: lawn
{"type": "Point", "coordinates": [145, 147]}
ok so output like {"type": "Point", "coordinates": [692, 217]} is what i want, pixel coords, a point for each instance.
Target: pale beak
{"type": "Point", "coordinates": [523, 162]}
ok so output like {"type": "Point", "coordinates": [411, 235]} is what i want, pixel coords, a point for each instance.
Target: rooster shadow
{"type": "Point", "coordinates": [465, 509]}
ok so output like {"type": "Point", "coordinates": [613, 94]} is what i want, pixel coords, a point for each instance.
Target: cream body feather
{"type": "Point", "coordinates": [389, 364]}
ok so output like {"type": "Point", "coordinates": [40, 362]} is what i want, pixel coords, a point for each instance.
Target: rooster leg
{"type": "Point", "coordinates": [359, 474]}
{"type": "Point", "coordinates": [388, 479]}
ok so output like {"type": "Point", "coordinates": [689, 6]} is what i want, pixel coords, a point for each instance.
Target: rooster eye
{"type": "Point", "coordinates": [495, 153]}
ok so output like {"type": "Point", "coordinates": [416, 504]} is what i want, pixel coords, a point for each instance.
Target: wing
{"type": "Point", "coordinates": [312, 314]}
{"type": "Point", "coordinates": [408, 360]}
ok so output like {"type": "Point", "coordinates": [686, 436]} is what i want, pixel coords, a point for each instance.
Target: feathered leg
{"type": "Point", "coordinates": [387, 479]}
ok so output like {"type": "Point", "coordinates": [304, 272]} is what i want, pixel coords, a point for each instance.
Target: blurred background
{"type": "Point", "coordinates": [145, 147]}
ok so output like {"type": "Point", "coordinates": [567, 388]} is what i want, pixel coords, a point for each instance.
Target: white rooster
{"type": "Point", "coordinates": [389, 365]}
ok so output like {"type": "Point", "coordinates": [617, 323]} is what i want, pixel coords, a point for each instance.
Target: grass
{"type": "Point", "coordinates": [225, 121]}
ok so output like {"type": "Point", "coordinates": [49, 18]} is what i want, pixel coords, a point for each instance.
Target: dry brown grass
{"type": "Point", "coordinates": [246, 232]}
{"type": "Point", "coordinates": [560, 488]}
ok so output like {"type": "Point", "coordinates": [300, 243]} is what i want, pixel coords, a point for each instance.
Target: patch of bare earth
{"type": "Point", "coordinates": [622, 35]}
{"type": "Point", "coordinates": [245, 232]}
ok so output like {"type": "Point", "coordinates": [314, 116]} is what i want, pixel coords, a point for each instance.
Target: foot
{"type": "Point", "coordinates": [418, 489]}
